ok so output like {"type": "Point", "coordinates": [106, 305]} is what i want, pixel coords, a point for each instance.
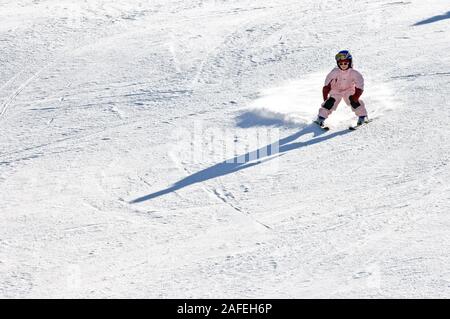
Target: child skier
{"type": "Point", "coordinates": [345, 83]}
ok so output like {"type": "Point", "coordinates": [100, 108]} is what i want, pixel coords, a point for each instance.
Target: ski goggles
{"type": "Point", "coordinates": [341, 56]}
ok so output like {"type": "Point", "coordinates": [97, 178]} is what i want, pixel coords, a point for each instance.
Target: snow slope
{"type": "Point", "coordinates": [163, 149]}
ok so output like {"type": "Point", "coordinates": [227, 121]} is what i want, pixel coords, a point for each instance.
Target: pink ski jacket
{"type": "Point", "coordinates": [341, 82]}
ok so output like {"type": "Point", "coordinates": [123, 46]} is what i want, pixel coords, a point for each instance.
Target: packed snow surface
{"type": "Point", "coordinates": [164, 149]}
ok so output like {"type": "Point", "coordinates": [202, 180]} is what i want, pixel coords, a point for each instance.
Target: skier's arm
{"type": "Point", "coordinates": [327, 85]}
{"type": "Point", "coordinates": [359, 85]}
{"type": "Point", "coordinates": [359, 89]}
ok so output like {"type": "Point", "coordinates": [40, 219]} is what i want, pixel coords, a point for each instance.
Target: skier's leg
{"type": "Point", "coordinates": [329, 105]}
{"type": "Point", "coordinates": [359, 110]}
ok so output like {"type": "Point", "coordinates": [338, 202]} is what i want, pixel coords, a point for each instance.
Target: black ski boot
{"type": "Point", "coordinates": [320, 121]}
{"type": "Point", "coordinates": [362, 120]}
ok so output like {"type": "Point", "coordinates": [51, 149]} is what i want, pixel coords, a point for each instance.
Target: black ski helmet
{"type": "Point", "coordinates": [344, 55]}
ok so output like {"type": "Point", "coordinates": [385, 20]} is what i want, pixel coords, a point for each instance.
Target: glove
{"type": "Point", "coordinates": [354, 98]}
{"type": "Point", "coordinates": [325, 91]}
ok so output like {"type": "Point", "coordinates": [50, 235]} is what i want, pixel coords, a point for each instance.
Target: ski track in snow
{"type": "Point", "coordinates": [113, 122]}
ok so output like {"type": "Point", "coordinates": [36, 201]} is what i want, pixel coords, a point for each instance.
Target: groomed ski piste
{"type": "Point", "coordinates": [165, 149]}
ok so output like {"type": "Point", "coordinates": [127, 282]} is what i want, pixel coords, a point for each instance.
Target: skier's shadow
{"type": "Point", "coordinates": [247, 160]}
